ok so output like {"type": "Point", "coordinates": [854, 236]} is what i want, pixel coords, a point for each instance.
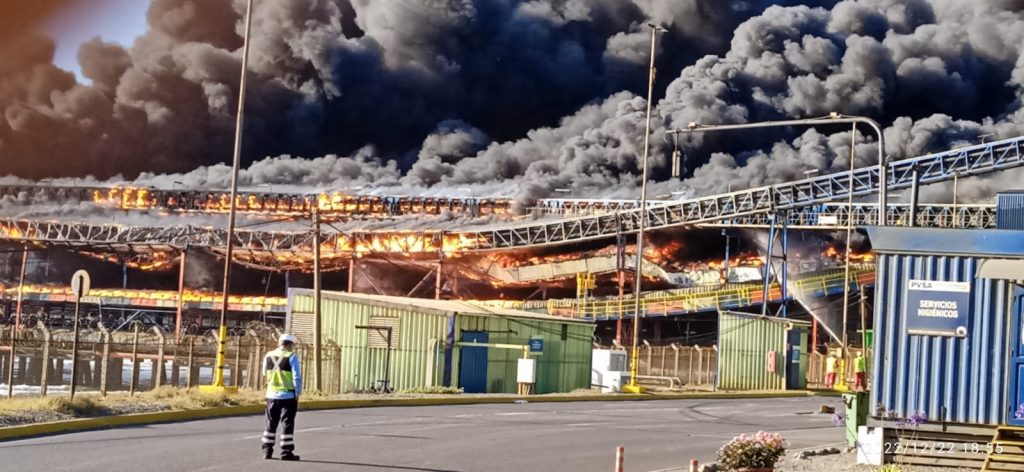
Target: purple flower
{"type": "Point", "coordinates": [839, 419]}
{"type": "Point", "coordinates": [917, 418]}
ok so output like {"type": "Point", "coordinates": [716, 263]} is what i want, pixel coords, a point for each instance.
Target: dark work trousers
{"type": "Point", "coordinates": [280, 411]}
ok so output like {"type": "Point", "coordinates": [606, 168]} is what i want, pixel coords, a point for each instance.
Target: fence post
{"type": "Point", "coordinates": [700, 365]}
{"type": "Point", "coordinates": [711, 365]}
{"type": "Point", "coordinates": [175, 377]}
{"type": "Point", "coordinates": [44, 379]}
{"type": "Point", "coordinates": [158, 367]}
{"type": "Point", "coordinates": [135, 361]}
{"type": "Point", "coordinates": [237, 371]}
{"type": "Point", "coordinates": [259, 370]}
{"type": "Point", "coordinates": [689, 372]}
{"type": "Point", "coordinates": [104, 361]}
{"type": "Point", "coordinates": [191, 361]}
{"type": "Point", "coordinates": [675, 368]}
{"type": "Point", "coordinates": [650, 354]}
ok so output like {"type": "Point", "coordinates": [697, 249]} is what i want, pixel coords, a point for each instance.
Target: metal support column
{"type": "Point", "coordinates": [181, 296]}
{"type": "Point", "coordinates": [914, 195]}
{"type": "Point", "coordinates": [767, 273]}
{"type": "Point", "coordinates": [351, 272]}
{"type": "Point", "coordinates": [317, 305]}
{"type": "Point", "coordinates": [437, 274]}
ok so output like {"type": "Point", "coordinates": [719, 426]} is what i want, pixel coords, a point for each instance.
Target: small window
{"type": "Point", "coordinates": [378, 338]}
{"type": "Point", "coordinates": [565, 331]}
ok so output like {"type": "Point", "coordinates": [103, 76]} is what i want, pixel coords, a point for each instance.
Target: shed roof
{"type": "Point", "coordinates": [439, 307]}
{"type": "Point", "coordinates": [954, 242]}
{"type": "Point", "coordinates": [773, 319]}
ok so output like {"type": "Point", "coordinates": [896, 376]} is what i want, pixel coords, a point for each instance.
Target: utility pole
{"type": "Point", "coordinates": [222, 332]}
{"type": "Point", "coordinates": [863, 320]}
{"type": "Point", "coordinates": [849, 235]}
{"type": "Point", "coordinates": [17, 324]}
{"type": "Point", "coordinates": [440, 267]}
{"type": "Point", "coordinates": [317, 305]}
{"type": "Point", "coordinates": [181, 296]}
{"type": "Point", "coordinates": [634, 386]}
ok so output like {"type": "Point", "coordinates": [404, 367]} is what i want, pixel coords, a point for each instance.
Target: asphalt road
{"type": "Point", "coordinates": [510, 437]}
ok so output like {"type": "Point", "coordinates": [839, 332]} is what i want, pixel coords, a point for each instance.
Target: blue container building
{"type": "Point", "coordinates": [948, 340]}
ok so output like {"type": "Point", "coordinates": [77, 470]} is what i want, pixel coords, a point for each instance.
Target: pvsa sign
{"type": "Point", "coordinates": [938, 308]}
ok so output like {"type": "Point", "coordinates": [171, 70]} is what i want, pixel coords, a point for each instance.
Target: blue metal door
{"type": "Point", "coordinates": [473, 363]}
{"type": "Point", "coordinates": [794, 380]}
{"type": "Point", "coordinates": [1016, 395]}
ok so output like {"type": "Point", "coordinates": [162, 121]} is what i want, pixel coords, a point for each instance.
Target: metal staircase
{"type": "Point", "coordinates": [1006, 452]}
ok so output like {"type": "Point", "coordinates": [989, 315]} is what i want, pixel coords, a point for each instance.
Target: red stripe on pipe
{"type": "Point", "coordinates": [620, 459]}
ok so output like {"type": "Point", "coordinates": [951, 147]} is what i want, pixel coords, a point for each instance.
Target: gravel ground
{"type": "Point", "coordinates": [44, 416]}
{"type": "Point", "coordinates": [845, 462]}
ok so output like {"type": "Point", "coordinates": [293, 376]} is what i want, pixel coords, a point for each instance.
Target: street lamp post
{"type": "Point", "coordinates": [634, 365]}
{"type": "Point", "coordinates": [222, 334]}
{"type": "Point", "coordinates": [832, 118]}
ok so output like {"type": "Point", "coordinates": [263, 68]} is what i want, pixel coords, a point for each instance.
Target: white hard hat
{"type": "Point", "coordinates": [287, 338]}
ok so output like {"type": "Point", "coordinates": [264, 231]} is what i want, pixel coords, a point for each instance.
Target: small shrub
{"type": "Point", "coordinates": [891, 468]}
{"type": "Point", "coordinates": [752, 451]}
{"type": "Point", "coordinates": [435, 390]}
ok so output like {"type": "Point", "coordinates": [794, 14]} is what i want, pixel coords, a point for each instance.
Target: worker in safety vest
{"type": "Point", "coordinates": [860, 368]}
{"type": "Point", "coordinates": [830, 370]}
{"type": "Point", "coordinates": [284, 385]}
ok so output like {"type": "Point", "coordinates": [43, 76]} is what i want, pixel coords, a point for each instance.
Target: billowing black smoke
{"type": "Point", "coordinates": [516, 98]}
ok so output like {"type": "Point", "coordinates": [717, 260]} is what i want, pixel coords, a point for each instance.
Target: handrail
{"type": "Point", "coordinates": [750, 294]}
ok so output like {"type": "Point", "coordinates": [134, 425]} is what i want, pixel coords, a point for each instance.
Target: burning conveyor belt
{"type": "Point", "coordinates": [329, 204]}
{"type": "Point", "coordinates": [285, 249]}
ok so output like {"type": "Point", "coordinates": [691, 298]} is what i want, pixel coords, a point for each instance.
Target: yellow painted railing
{"type": "Point", "coordinates": [666, 302]}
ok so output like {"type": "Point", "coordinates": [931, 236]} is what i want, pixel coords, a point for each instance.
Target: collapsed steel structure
{"type": "Point", "coordinates": [808, 203]}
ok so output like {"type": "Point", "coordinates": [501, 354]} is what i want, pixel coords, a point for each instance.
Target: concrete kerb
{"type": "Point", "coordinates": [88, 424]}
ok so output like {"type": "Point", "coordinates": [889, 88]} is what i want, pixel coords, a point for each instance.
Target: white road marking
{"type": "Point", "coordinates": [353, 425]}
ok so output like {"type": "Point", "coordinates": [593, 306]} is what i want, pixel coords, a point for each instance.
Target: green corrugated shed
{"type": "Point", "coordinates": [423, 329]}
{"type": "Point", "coordinates": [744, 343]}
{"type": "Point", "coordinates": [563, 366]}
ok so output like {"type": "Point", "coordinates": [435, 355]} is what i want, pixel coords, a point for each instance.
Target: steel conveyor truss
{"type": "Point", "coordinates": [807, 199]}
{"type": "Point", "coordinates": [974, 160]}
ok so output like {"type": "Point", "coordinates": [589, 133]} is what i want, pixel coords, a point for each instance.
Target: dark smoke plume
{"type": "Point", "coordinates": [513, 98]}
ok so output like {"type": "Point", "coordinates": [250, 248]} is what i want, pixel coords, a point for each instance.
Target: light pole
{"type": "Point", "coordinates": [566, 190]}
{"type": "Point", "coordinates": [677, 155]}
{"type": "Point", "coordinates": [222, 334]}
{"type": "Point", "coordinates": [883, 171]}
{"type": "Point", "coordinates": [832, 118]}
{"type": "Point", "coordinates": [634, 367]}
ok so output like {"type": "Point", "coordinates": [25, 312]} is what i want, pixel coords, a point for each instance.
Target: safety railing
{"type": "Point", "coordinates": [816, 369]}
{"type": "Point", "coordinates": [705, 299]}
{"type": "Point", "coordinates": [677, 365]}
{"type": "Point", "coordinates": [141, 360]}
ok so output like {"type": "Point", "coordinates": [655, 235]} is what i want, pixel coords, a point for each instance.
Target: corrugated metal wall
{"type": "Point", "coordinates": [743, 346]}
{"type": "Point", "coordinates": [361, 366]}
{"type": "Point", "coordinates": [950, 379]}
{"type": "Point", "coordinates": [1010, 210]}
{"type": "Point", "coordinates": [564, 365]}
